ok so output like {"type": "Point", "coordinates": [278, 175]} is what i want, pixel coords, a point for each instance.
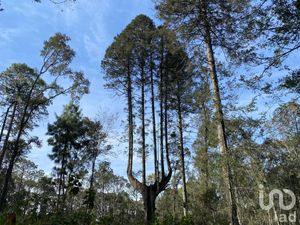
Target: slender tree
{"type": "Point", "coordinates": [129, 65]}
{"type": "Point", "coordinates": [96, 144]}
{"type": "Point", "coordinates": [67, 138]}
{"type": "Point", "coordinates": [216, 24]}
{"type": "Point", "coordinates": [36, 94]}
{"type": "Point", "coordinates": [179, 71]}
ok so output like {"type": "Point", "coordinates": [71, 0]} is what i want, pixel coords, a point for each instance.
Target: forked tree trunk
{"type": "Point", "coordinates": [149, 205]}
{"type": "Point", "coordinates": [148, 192]}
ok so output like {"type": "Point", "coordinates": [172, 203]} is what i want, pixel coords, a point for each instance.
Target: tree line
{"type": "Point", "coordinates": [196, 155]}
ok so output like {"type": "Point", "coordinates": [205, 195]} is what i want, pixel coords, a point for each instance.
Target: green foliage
{"type": "Point", "coordinates": [292, 82]}
{"type": "Point", "coordinates": [74, 218]}
{"type": "Point", "coordinates": [149, 64]}
{"type": "Point", "coordinates": [2, 218]}
{"type": "Point", "coordinates": [68, 141]}
{"type": "Point", "coordinates": [89, 198]}
{"type": "Point", "coordinates": [169, 220]}
{"type": "Point", "coordinates": [221, 17]}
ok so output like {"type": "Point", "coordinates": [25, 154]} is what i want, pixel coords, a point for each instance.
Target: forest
{"type": "Point", "coordinates": [205, 97]}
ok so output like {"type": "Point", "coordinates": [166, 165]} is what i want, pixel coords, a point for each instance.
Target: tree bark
{"type": "Point", "coordinates": [206, 121]}
{"type": "Point", "coordinates": [161, 114]}
{"type": "Point", "coordinates": [143, 124]}
{"type": "Point", "coordinates": [92, 175]}
{"type": "Point", "coordinates": [130, 125]}
{"type": "Point", "coordinates": [175, 192]}
{"type": "Point", "coordinates": [148, 192]}
{"type": "Point", "coordinates": [25, 116]}
{"type": "Point", "coordinates": [182, 156]}
{"type": "Point", "coordinates": [4, 122]}
{"type": "Point", "coordinates": [166, 108]}
{"type": "Point", "coordinates": [61, 178]}
{"type": "Point", "coordinates": [93, 171]}
{"type": "Point", "coordinates": [4, 148]}
{"type": "Point", "coordinates": [133, 181]}
{"type": "Point", "coordinates": [7, 180]}
{"type": "Point", "coordinates": [149, 205]}
{"type": "Point", "coordinates": [91, 188]}
{"type": "Point", "coordinates": [153, 121]}
{"type": "Point", "coordinates": [220, 121]}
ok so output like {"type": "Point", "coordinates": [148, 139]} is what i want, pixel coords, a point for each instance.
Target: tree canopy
{"type": "Point", "coordinates": [210, 127]}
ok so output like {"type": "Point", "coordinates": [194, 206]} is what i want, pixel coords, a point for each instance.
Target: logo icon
{"type": "Point", "coordinates": [280, 195]}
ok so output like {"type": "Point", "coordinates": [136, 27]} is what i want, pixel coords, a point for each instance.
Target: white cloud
{"type": "Point", "coordinates": [7, 34]}
{"type": "Point", "coordinates": [96, 37]}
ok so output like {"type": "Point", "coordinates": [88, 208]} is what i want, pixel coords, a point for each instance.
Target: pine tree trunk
{"type": "Point", "coordinates": [4, 123]}
{"type": "Point", "coordinates": [130, 125]}
{"type": "Point", "coordinates": [7, 180]}
{"type": "Point", "coordinates": [206, 145]}
{"type": "Point", "coordinates": [149, 205]}
{"type": "Point", "coordinates": [220, 125]}
{"type": "Point", "coordinates": [16, 151]}
{"type": "Point", "coordinates": [148, 192]}
{"type": "Point", "coordinates": [166, 119]}
{"type": "Point", "coordinates": [182, 156]}
{"type": "Point", "coordinates": [61, 179]}
{"type": "Point", "coordinates": [133, 181]}
{"type": "Point", "coordinates": [174, 201]}
{"type": "Point", "coordinates": [93, 172]}
{"type": "Point", "coordinates": [4, 148]}
{"type": "Point", "coordinates": [91, 188]}
{"type": "Point", "coordinates": [222, 140]}
{"type": "Point", "coordinates": [153, 122]}
{"type": "Point", "coordinates": [143, 125]}
{"type": "Point", "coordinates": [148, 196]}
{"type": "Point", "coordinates": [161, 115]}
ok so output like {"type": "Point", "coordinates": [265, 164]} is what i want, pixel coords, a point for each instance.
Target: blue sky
{"type": "Point", "coordinates": [92, 25]}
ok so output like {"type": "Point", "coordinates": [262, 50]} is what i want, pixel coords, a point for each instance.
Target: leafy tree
{"type": "Point", "coordinates": [27, 89]}
{"type": "Point", "coordinates": [291, 82]}
{"type": "Point", "coordinates": [96, 144]}
{"type": "Point", "coordinates": [15, 85]}
{"type": "Point", "coordinates": [67, 138]}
